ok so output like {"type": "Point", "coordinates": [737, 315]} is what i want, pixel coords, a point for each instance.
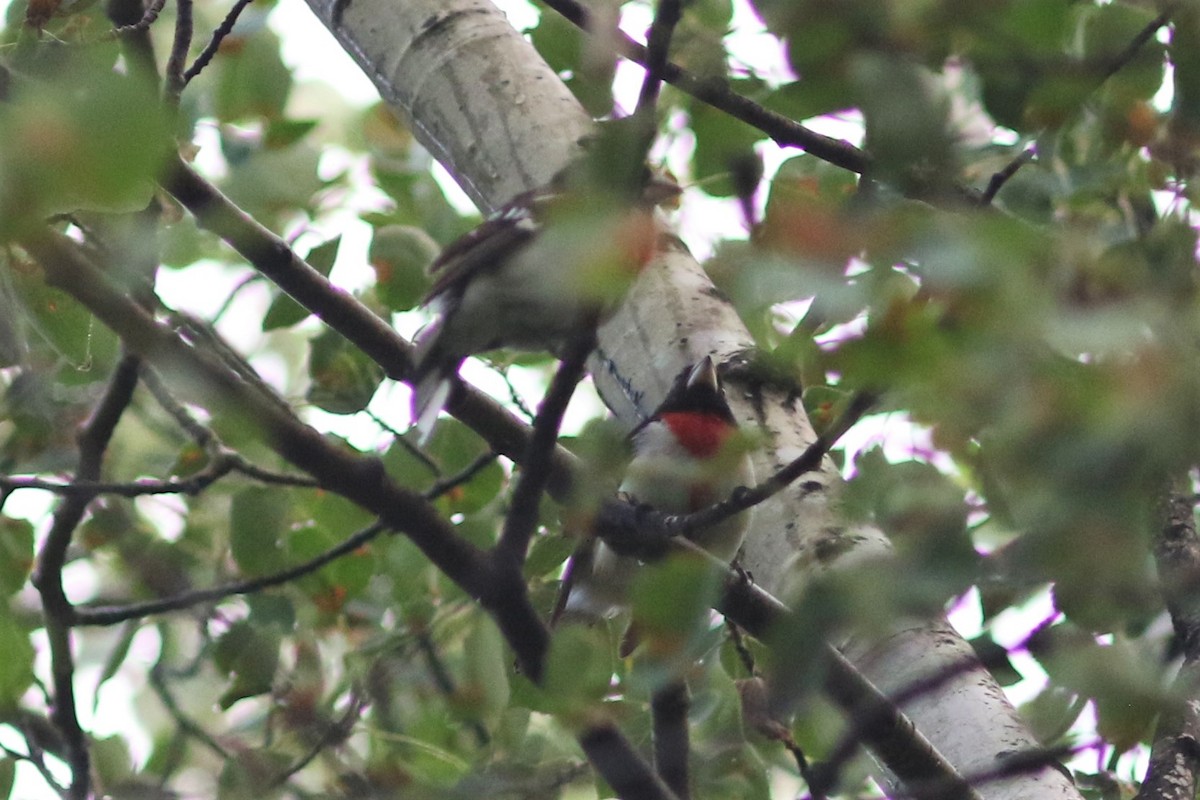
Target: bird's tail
{"type": "Point", "coordinates": [433, 374]}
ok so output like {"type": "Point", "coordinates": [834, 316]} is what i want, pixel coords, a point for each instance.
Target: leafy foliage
{"type": "Point", "coordinates": [1038, 335]}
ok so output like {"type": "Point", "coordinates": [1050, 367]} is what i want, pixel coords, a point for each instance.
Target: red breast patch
{"type": "Point", "coordinates": [700, 434]}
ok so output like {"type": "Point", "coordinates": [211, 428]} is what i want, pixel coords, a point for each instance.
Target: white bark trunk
{"type": "Point", "coordinates": [484, 103]}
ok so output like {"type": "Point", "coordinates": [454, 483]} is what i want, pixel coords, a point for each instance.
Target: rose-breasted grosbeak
{"type": "Point", "coordinates": [683, 460]}
{"type": "Point", "coordinates": [542, 269]}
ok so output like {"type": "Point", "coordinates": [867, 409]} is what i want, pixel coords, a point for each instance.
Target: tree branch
{"type": "Point", "coordinates": [1175, 752]}
{"type": "Point", "coordinates": [361, 479]}
{"type": "Point", "coordinates": [649, 525]}
{"type": "Point", "coordinates": [669, 711]}
{"type": "Point", "coordinates": [716, 93]}
{"type": "Point", "coordinates": [93, 439]}
{"type": "Point", "coordinates": [218, 36]}
{"type": "Point", "coordinates": [522, 517]}
{"type": "Point", "coordinates": [658, 48]}
{"type": "Point", "coordinates": [271, 256]}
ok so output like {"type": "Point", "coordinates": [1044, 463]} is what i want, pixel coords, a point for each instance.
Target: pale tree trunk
{"type": "Point", "coordinates": [485, 104]}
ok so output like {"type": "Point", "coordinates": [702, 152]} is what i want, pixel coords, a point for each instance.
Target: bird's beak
{"type": "Point", "coordinates": [660, 190]}
{"type": "Point", "coordinates": [704, 373]}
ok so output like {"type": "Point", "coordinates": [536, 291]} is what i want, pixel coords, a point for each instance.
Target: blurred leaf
{"type": "Point", "coordinates": [455, 447]}
{"type": "Point", "coordinates": [91, 139]}
{"type": "Point", "coordinates": [344, 379]}
{"type": "Point", "coordinates": [400, 256]}
{"type": "Point", "coordinates": [671, 600]}
{"type": "Point", "coordinates": [16, 554]}
{"type": "Point", "coordinates": [116, 658]}
{"type": "Point", "coordinates": [994, 656]}
{"type": "Point", "coordinates": [8, 773]}
{"type": "Point", "coordinates": [63, 323]}
{"type": "Point", "coordinates": [271, 183]}
{"type": "Point", "coordinates": [16, 670]}
{"type": "Point", "coordinates": [337, 582]}
{"type": "Point", "coordinates": [250, 78]}
{"type": "Point", "coordinates": [579, 668]}
{"type": "Point", "coordinates": [249, 655]}
{"type": "Point", "coordinates": [719, 139]}
{"type": "Point", "coordinates": [484, 690]}
{"type": "Point", "coordinates": [258, 523]}
{"type": "Point", "coordinates": [1051, 713]}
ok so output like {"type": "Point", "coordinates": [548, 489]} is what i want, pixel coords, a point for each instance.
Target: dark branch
{"type": "Point", "coordinates": [112, 615]}
{"type": "Point", "coordinates": [360, 479]}
{"type": "Point", "coordinates": [210, 49]}
{"type": "Point", "coordinates": [522, 516]}
{"type": "Point", "coordinates": [646, 531]}
{"type": "Point", "coordinates": [148, 18]}
{"type": "Point", "coordinates": [669, 710]}
{"type": "Point", "coordinates": [621, 765]}
{"type": "Point", "coordinates": [1003, 176]}
{"type": "Point", "coordinates": [179, 50]}
{"type": "Point", "coordinates": [658, 48]}
{"type": "Point", "coordinates": [271, 256]}
{"type": "Point", "coordinates": [93, 439]}
{"type": "Point", "coordinates": [1175, 752]}
{"type": "Point", "coordinates": [783, 131]}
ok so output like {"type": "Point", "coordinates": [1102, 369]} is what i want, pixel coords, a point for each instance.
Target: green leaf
{"type": "Point", "coordinates": [337, 582]}
{"type": "Point", "coordinates": [91, 139]}
{"type": "Point", "coordinates": [400, 256]}
{"type": "Point", "coordinates": [250, 656]}
{"type": "Point", "coordinates": [995, 657]}
{"type": "Point", "coordinates": [258, 523]}
{"type": "Point", "coordinates": [16, 554]}
{"type": "Point", "coordinates": [116, 658]}
{"type": "Point", "coordinates": [344, 379]}
{"type": "Point", "coordinates": [484, 690]}
{"type": "Point", "coordinates": [16, 668]}
{"type": "Point", "coordinates": [87, 347]}
{"type": "Point", "coordinates": [272, 183]}
{"type": "Point", "coordinates": [719, 140]}
{"type": "Point", "coordinates": [250, 77]}
{"type": "Point", "coordinates": [8, 774]}
{"type": "Point", "coordinates": [286, 132]}
{"type": "Point", "coordinates": [579, 668]}
{"type": "Point", "coordinates": [670, 601]}
{"type": "Point", "coordinates": [455, 447]}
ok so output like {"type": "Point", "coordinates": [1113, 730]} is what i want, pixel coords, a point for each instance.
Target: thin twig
{"type": "Point", "coordinates": [335, 731]}
{"type": "Point", "coordinates": [465, 475]}
{"type": "Point", "coordinates": [112, 615]}
{"type": "Point", "coordinates": [651, 529]}
{"type": "Point", "coordinates": [1002, 177]}
{"type": "Point", "coordinates": [185, 724]}
{"type": "Point", "coordinates": [1136, 43]}
{"type": "Point", "coordinates": [522, 517]}
{"type": "Point", "coordinates": [214, 44]}
{"type": "Point", "coordinates": [716, 93]}
{"type": "Point", "coordinates": [143, 24]}
{"type": "Point", "coordinates": [179, 50]}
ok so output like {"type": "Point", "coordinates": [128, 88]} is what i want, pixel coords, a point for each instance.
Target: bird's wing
{"type": "Point", "coordinates": [483, 247]}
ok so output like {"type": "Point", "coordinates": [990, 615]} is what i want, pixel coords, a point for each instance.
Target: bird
{"type": "Point", "coordinates": [687, 455]}
{"type": "Point", "coordinates": [547, 266]}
